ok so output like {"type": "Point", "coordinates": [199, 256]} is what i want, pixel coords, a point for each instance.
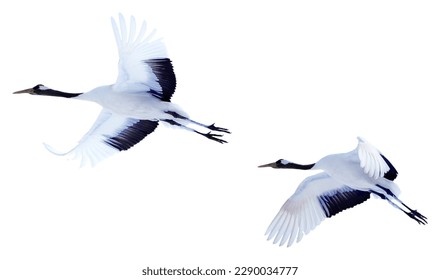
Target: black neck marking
{"type": "Point", "coordinates": [51, 92]}
{"type": "Point", "coordinates": [291, 165]}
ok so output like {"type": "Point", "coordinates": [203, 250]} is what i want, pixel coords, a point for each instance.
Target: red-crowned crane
{"type": "Point", "coordinates": [347, 180]}
{"type": "Point", "coordinates": [136, 103]}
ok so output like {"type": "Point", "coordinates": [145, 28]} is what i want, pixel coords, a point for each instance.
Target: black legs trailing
{"type": "Point", "coordinates": [209, 135]}
{"type": "Point", "coordinates": [413, 214]}
{"type": "Point", "coordinates": [216, 128]}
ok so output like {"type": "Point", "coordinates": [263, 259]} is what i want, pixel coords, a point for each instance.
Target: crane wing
{"type": "Point", "coordinates": [373, 162]}
{"type": "Point", "coordinates": [143, 63]}
{"type": "Point", "coordinates": [109, 134]}
{"type": "Point", "coordinates": [317, 197]}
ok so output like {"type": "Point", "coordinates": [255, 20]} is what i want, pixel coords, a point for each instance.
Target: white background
{"type": "Point", "coordinates": [290, 79]}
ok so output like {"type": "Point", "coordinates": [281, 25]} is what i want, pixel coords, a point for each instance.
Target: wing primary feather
{"type": "Point", "coordinates": [307, 215]}
{"type": "Point", "coordinates": [117, 34]}
{"type": "Point", "coordinates": [300, 230]}
{"type": "Point", "coordinates": [141, 33]}
{"type": "Point", "coordinates": [278, 225]}
{"type": "Point", "coordinates": [375, 167]}
{"type": "Point", "coordinates": [273, 223]}
{"type": "Point", "coordinates": [282, 229]}
{"type": "Point", "coordinates": [132, 29]}
{"type": "Point", "coordinates": [312, 215]}
{"type": "Point", "coordinates": [294, 233]}
{"type": "Point", "coordinates": [288, 231]}
{"type": "Point", "coordinates": [123, 29]}
{"type": "Point", "coordinates": [304, 223]}
{"type": "Point", "coordinates": [317, 214]}
{"type": "Point", "coordinates": [368, 164]}
{"type": "Point", "coordinates": [361, 153]}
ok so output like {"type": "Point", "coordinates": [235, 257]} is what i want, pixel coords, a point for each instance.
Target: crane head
{"type": "Point", "coordinates": [276, 164]}
{"type": "Point", "coordinates": [44, 90]}
{"type": "Point", "coordinates": [36, 90]}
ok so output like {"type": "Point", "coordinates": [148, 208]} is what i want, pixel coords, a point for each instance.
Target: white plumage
{"type": "Point", "coordinates": [136, 103]}
{"type": "Point", "coordinates": [347, 180]}
{"type": "Point", "coordinates": [370, 160]}
{"type": "Point", "coordinates": [133, 50]}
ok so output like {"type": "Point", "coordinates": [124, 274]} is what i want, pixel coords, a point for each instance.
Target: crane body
{"type": "Point", "coordinates": [346, 180]}
{"type": "Point", "coordinates": [138, 101]}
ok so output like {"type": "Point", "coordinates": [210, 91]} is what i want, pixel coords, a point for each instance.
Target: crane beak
{"type": "Point", "coordinates": [29, 90]}
{"type": "Point", "coordinates": [273, 165]}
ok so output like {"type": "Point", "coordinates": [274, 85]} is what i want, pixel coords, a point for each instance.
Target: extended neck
{"type": "Point", "coordinates": [292, 165]}
{"type": "Point", "coordinates": [51, 92]}
{"type": "Point", "coordinates": [282, 163]}
{"type": "Point", "coordinates": [43, 90]}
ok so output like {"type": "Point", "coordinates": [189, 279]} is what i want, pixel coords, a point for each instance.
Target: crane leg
{"type": "Point", "coordinates": [209, 135]}
{"type": "Point", "coordinates": [413, 214]}
{"type": "Point", "coordinates": [210, 127]}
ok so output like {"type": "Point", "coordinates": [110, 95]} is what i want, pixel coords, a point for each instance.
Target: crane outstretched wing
{"type": "Point", "coordinates": [109, 134]}
{"type": "Point", "coordinates": [144, 66]}
{"type": "Point", "coordinates": [317, 197]}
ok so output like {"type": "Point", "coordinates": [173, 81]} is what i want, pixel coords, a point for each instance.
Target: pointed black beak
{"type": "Point", "coordinates": [29, 90]}
{"type": "Point", "coordinates": [273, 165]}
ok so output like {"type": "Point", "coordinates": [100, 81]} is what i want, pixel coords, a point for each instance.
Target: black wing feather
{"type": "Point", "coordinates": [336, 201]}
{"type": "Point", "coordinates": [132, 135]}
{"type": "Point", "coordinates": [163, 69]}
